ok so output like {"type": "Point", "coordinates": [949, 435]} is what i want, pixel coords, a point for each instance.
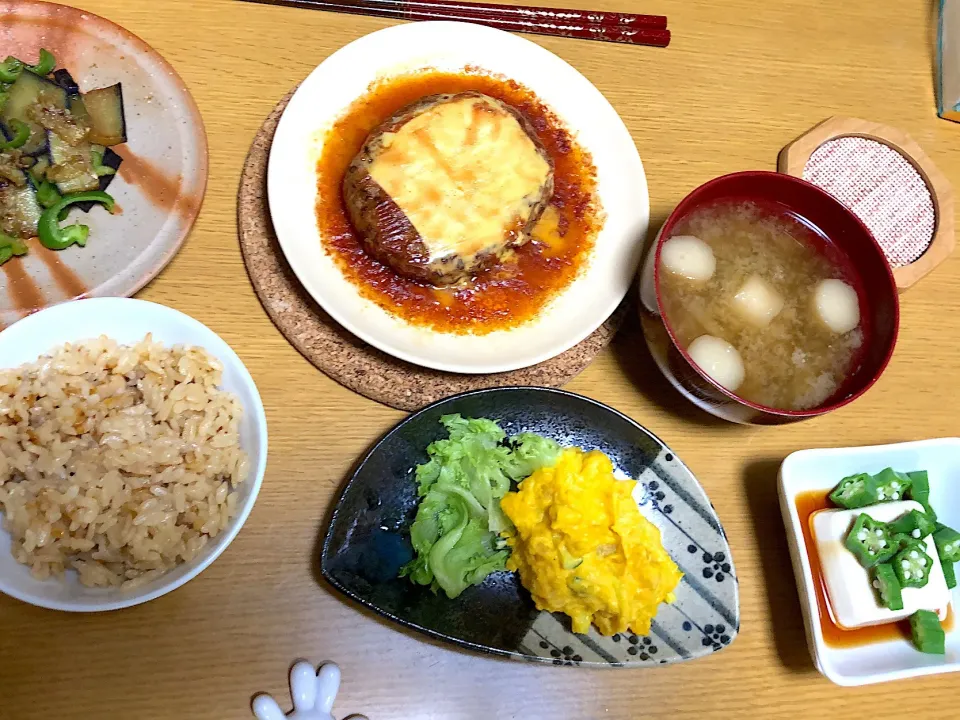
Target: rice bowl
{"type": "Point", "coordinates": [132, 448]}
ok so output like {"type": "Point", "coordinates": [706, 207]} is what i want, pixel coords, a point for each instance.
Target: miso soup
{"type": "Point", "coordinates": [747, 280]}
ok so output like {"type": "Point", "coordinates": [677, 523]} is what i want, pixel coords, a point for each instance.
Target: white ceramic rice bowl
{"type": "Point", "coordinates": [128, 321]}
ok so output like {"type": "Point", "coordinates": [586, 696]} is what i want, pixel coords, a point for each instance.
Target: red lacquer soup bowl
{"type": "Point", "coordinates": [847, 239]}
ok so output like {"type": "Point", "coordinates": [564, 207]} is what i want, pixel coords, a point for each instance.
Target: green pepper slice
{"type": "Point", "coordinates": [98, 167]}
{"type": "Point", "coordinates": [870, 541]}
{"type": "Point", "coordinates": [10, 69]}
{"type": "Point", "coordinates": [21, 133]}
{"type": "Point", "coordinates": [912, 565]}
{"type": "Point", "coordinates": [855, 491]}
{"type": "Point", "coordinates": [887, 586]}
{"type": "Point", "coordinates": [949, 573]}
{"type": "Point", "coordinates": [45, 65]}
{"type": "Point", "coordinates": [948, 543]}
{"type": "Point", "coordinates": [10, 247]}
{"type": "Point", "coordinates": [927, 632]}
{"type": "Point", "coordinates": [47, 194]}
{"type": "Point", "coordinates": [891, 485]}
{"type": "Point", "coordinates": [920, 491]}
{"type": "Point", "coordinates": [54, 237]}
{"type": "Point", "coordinates": [914, 524]}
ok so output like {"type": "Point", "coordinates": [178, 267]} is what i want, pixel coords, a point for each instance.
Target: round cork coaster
{"type": "Point", "coordinates": [338, 353]}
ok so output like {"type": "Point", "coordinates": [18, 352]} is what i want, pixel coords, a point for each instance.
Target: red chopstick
{"type": "Point", "coordinates": [583, 24]}
{"type": "Point", "coordinates": [527, 12]}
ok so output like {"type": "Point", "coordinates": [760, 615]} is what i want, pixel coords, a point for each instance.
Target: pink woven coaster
{"type": "Point", "coordinates": [882, 188]}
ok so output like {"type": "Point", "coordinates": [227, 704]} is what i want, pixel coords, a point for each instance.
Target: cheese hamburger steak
{"type": "Point", "coordinates": [448, 186]}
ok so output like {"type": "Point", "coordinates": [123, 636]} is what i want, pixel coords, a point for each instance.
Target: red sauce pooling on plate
{"type": "Point", "coordinates": [503, 296]}
{"type": "Point", "coordinates": [808, 503]}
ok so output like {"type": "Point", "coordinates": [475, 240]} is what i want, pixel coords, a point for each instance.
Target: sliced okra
{"type": "Point", "coordinates": [855, 491]}
{"type": "Point", "coordinates": [912, 565]}
{"type": "Point", "coordinates": [870, 541]}
{"type": "Point", "coordinates": [927, 632]}
{"type": "Point", "coordinates": [887, 586]}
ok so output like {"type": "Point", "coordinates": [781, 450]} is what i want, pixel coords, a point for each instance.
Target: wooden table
{"type": "Point", "coordinates": [741, 79]}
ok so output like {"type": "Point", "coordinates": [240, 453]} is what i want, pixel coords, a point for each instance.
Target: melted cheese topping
{"type": "Point", "coordinates": [464, 172]}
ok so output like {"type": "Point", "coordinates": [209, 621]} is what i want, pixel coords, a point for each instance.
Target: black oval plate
{"type": "Point", "coordinates": [368, 540]}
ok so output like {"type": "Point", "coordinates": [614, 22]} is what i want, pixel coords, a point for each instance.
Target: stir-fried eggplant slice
{"type": "Point", "coordinates": [19, 210]}
{"type": "Point", "coordinates": [112, 160]}
{"type": "Point", "coordinates": [71, 166]}
{"type": "Point", "coordinates": [61, 122]}
{"type": "Point", "coordinates": [30, 91]}
{"type": "Point", "coordinates": [105, 109]}
{"type": "Point", "coordinates": [10, 168]}
{"type": "Point", "coordinates": [64, 79]}
{"type": "Point", "coordinates": [38, 171]}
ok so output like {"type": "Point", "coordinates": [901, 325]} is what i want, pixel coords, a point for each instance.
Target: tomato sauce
{"type": "Point", "coordinates": [833, 635]}
{"type": "Point", "coordinates": [513, 291]}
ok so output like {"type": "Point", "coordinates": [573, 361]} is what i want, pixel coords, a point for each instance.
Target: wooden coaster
{"type": "Point", "coordinates": [335, 351]}
{"type": "Point", "coordinates": [884, 177]}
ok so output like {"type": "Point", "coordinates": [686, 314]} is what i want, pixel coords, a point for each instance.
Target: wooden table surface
{"type": "Point", "coordinates": [741, 79]}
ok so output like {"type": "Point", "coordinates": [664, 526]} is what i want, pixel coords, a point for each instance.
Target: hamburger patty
{"type": "Point", "coordinates": [448, 186]}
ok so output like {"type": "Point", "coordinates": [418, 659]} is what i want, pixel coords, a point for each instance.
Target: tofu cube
{"type": "Point", "coordinates": [853, 601]}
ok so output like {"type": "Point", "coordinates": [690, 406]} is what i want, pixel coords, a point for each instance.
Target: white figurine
{"type": "Point", "coordinates": [313, 695]}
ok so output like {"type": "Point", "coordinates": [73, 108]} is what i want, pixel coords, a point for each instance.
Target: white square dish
{"type": "Point", "coordinates": [822, 469]}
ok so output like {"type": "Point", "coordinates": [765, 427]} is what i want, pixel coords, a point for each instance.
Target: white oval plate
{"type": "Point", "coordinates": [447, 46]}
{"type": "Point", "coordinates": [127, 321]}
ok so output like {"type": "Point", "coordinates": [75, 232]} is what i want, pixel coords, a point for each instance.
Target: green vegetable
{"type": "Point", "coordinates": [887, 586]}
{"type": "Point", "coordinates": [948, 543]}
{"type": "Point", "coordinates": [855, 491]}
{"type": "Point", "coordinates": [56, 238]}
{"type": "Point", "coordinates": [47, 194]}
{"type": "Point", "coordinates": [912, 565]}
{"type": "Point", "coordinates": [45, 65]}
{"type": "Point", "coordinates": [949, 573]}
{"type": "Point", "coordinates": [21, 133]}
{"type": "Point", "coordinates": [870, 541]}
{"type": "Point", "coordinates": [927, 632]}
{"type": "Point", "coordinates": [891, 485]}
{"type": "Point", "coordinates": [10, 69]}
{"type": "Point", "coordinates": [920, 491]}
{"type": "Point", "coordinates": [914, 524]}
{"type": "Point", "coordinates": [98, 167]}
{"type": "Point", "coordinates": [11, 246]}
{"type": "Point", "coordinates": [456, 530]}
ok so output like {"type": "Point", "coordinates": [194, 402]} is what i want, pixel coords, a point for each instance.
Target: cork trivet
{"type": "Point", "coordinates": [342, 356]}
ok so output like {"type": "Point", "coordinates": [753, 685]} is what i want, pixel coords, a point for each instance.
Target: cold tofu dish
{"type": "Point", "coordinates": [55, 153]}
{"type": "Point", "coordinates": [558, 516]}
{"type": "Point", "coordinates": [885, 557]}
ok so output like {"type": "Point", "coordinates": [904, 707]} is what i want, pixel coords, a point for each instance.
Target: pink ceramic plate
{"type": "Point", "coordinates": [161, 181]}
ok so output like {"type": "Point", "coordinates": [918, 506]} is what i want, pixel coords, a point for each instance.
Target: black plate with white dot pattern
{"type": "Point", "coordinates": [368, 540]}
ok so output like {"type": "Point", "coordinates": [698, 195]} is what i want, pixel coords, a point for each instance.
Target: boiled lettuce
{"type": "Point", "coordinates": [456, 531]}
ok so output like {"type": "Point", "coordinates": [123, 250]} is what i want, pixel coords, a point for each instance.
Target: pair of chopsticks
{"type": "Point", "coordinates": [582, 24]}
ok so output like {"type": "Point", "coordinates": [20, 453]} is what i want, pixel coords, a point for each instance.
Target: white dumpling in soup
{"type": "Point", "coordinates": [718, 359]}
{"type": "Point", "coordinates": [837, 305]}
{"type": "Point", "coordinates": [689, 257]}
{"type": "Point", "coordinates": [757, 301]}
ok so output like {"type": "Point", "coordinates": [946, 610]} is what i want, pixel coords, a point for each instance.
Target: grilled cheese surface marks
{"type": "Point", "coordinates": [465, 173]}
